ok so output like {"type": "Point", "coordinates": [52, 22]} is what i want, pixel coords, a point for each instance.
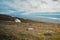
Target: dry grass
{"type": "Point", "coordinates": [19, 31]}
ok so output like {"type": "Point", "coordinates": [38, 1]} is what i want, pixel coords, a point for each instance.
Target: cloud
{"type": "Point", "coordinates": [34, 6]}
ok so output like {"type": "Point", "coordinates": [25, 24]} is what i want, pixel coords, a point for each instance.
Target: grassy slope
{"type": "Point", "coordinates": [19, 31]}
{"type": "Point", "coordinates": [9, 30]}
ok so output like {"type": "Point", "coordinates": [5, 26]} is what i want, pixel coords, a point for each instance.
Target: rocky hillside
{"type": "Point", "coordinates": [6, 17]}
{"type": "Point", "coordinates": [28, 30]}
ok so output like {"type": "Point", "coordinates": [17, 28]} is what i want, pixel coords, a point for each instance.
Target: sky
{"type": "Point", "coordinates": [46, 10]}
{"type": "Point", "coordinates": [29, 6]}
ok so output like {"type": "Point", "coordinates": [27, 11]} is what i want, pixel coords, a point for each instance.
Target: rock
{"type": "Point", "coordinates": [48, 33]}
{"type": "Point", "coordinates": [30, 29]}
{"type": "Point", "coordinates": [17, 20]}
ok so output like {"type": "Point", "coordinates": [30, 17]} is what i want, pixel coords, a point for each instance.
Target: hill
{"type": "Point", "coordinates": [20, 31]}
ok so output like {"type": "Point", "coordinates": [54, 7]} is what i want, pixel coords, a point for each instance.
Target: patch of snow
{"type": "Point", "coordinates": [17, 20]}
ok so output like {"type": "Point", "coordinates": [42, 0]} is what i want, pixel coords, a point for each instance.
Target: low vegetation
{"type": "Point", "coordinates": [10, 30]}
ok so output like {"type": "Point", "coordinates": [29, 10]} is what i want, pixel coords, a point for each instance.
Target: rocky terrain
{"type": "Point", "coordinates": [27, 30]}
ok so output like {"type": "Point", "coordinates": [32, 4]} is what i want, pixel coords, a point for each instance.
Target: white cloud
{"type": "Point", "coordinates": [33, 6]}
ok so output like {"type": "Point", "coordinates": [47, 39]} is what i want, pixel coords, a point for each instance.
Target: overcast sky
{"type": "Point", "coordinates": [33, 6]}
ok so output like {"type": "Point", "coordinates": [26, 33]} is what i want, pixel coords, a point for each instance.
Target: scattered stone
{"type": "Point", "coordinates": [48, 33]}
{"type": "Point", "coordinates": [30, 29]}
